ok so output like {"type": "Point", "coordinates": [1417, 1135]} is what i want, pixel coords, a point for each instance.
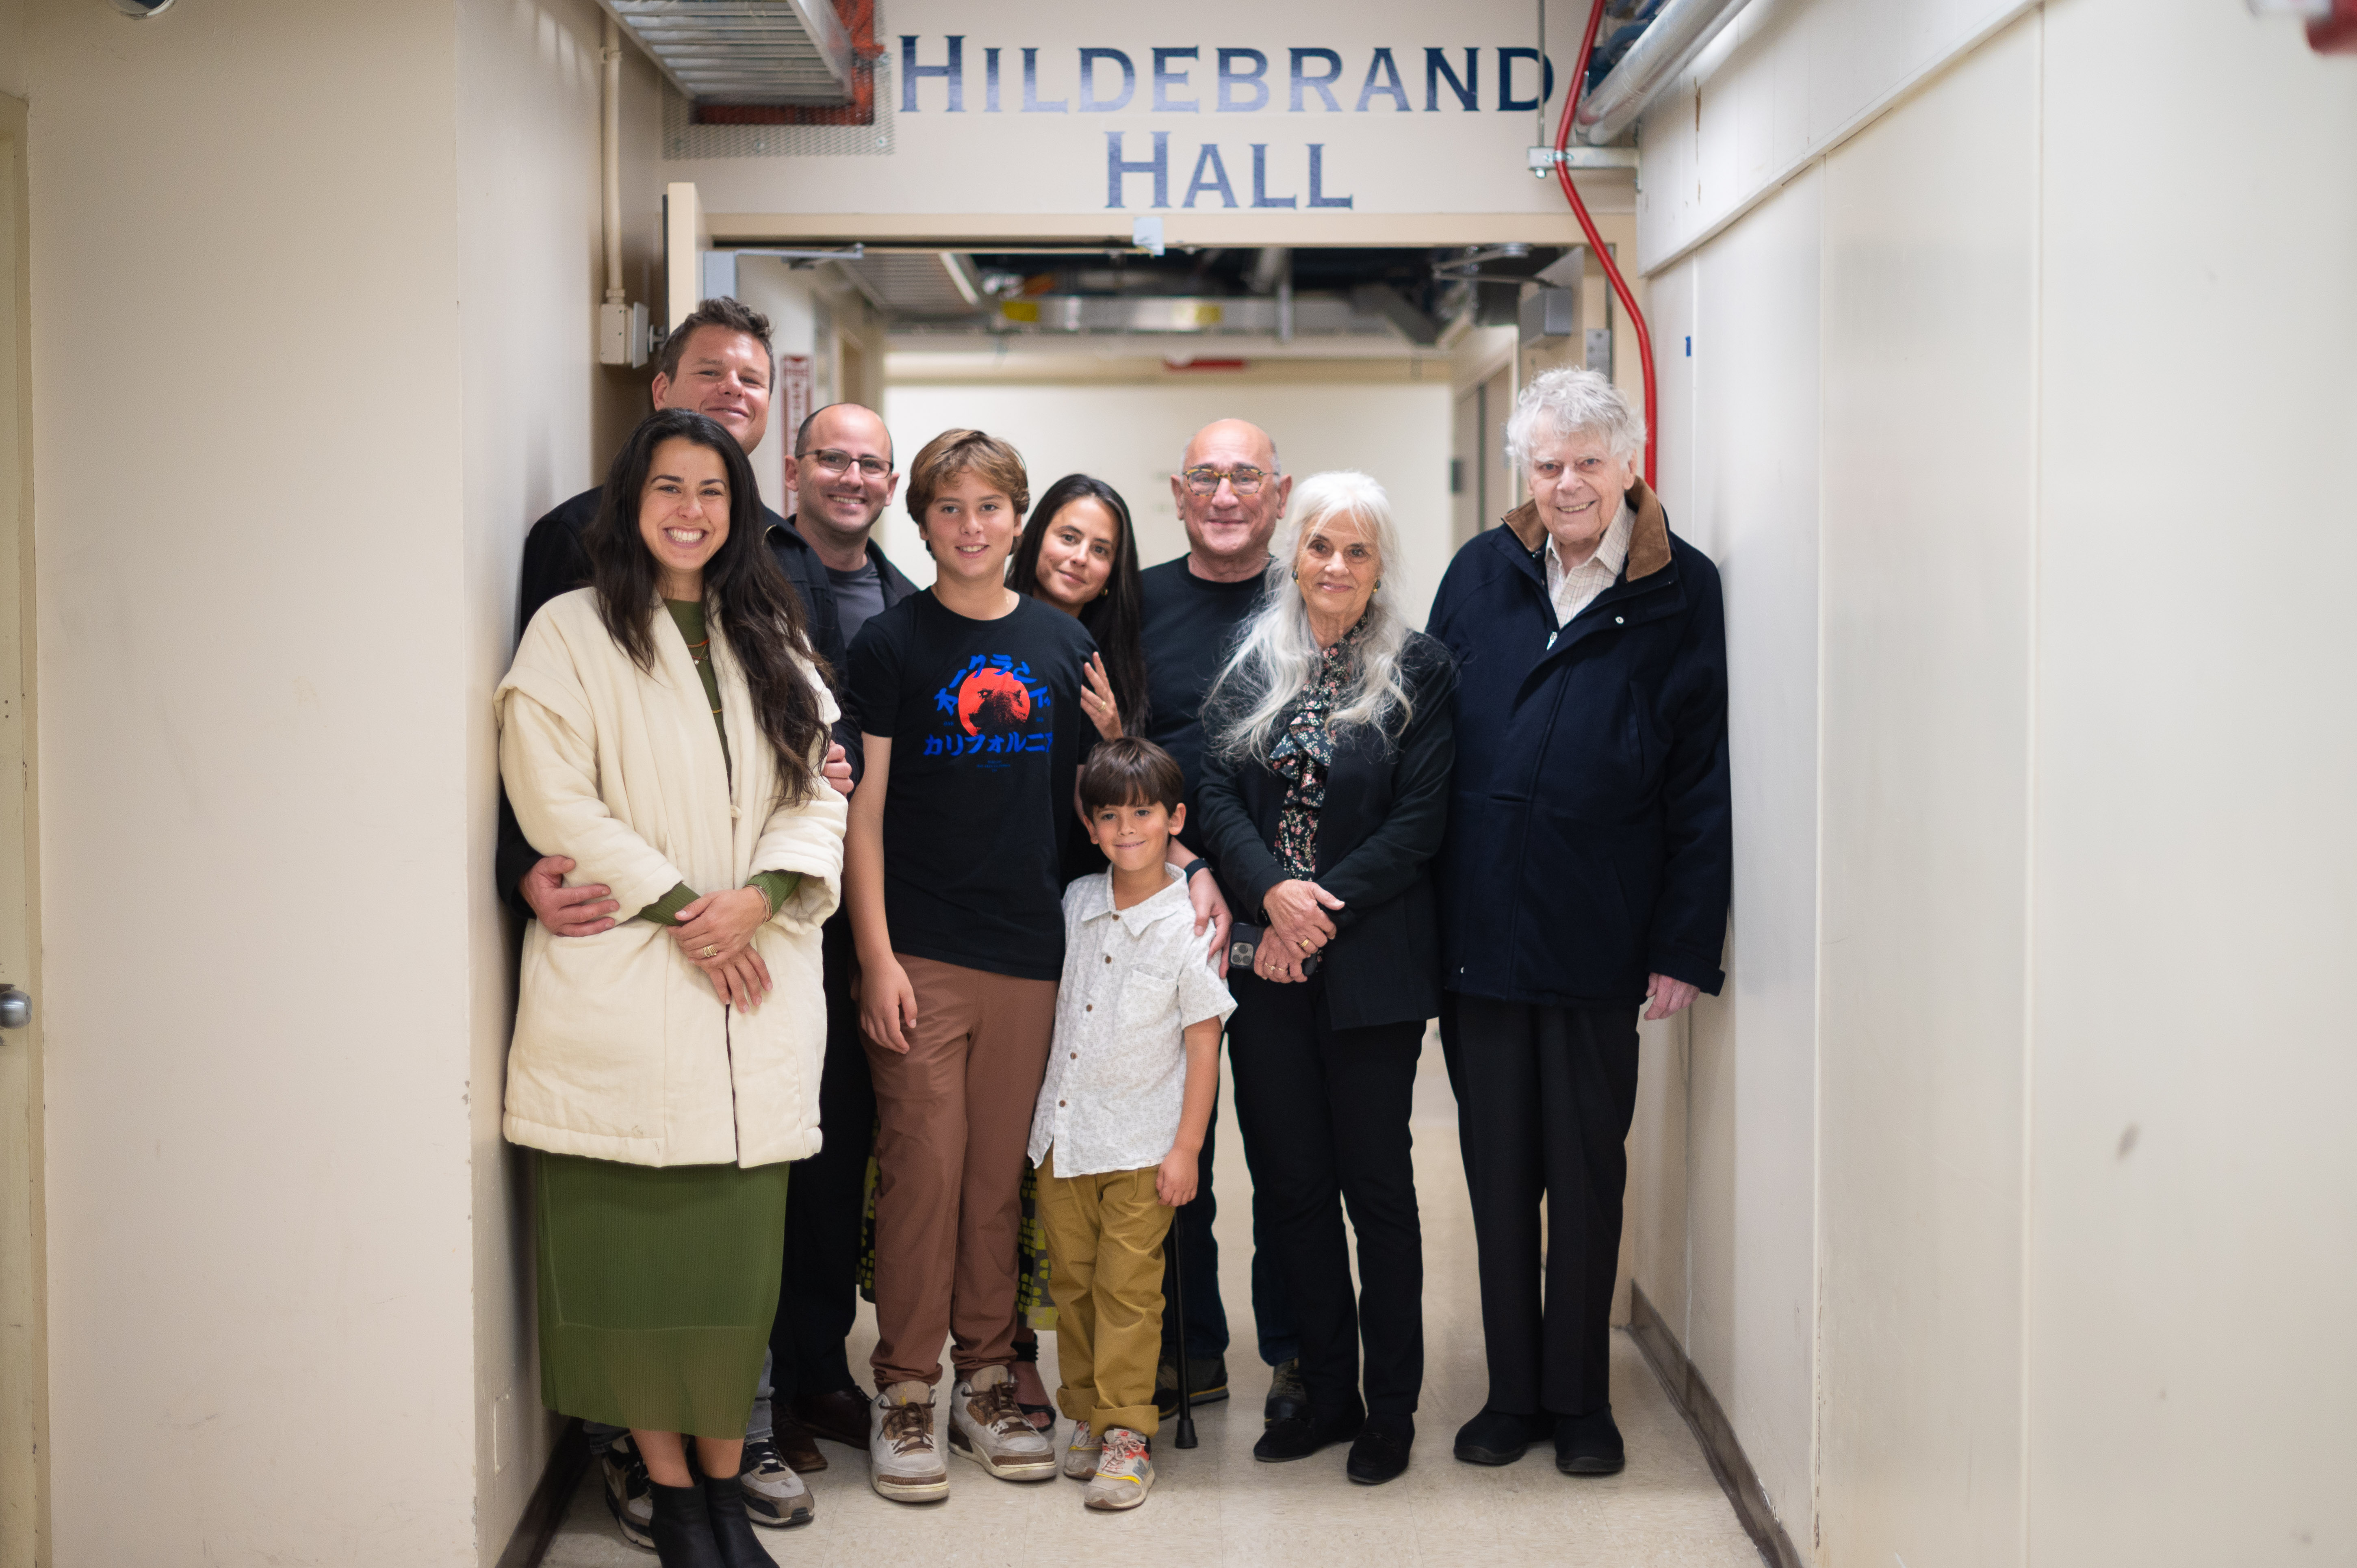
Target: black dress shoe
{"type": "Point", "coordinates": [732, 1533]}
{"type": "Point", "coordinates": [795, 1445]}
{"type": "Point", "coordinates": [1588, 1445]}
{"type": "Point", "coordinates": [1299, 1436]}
{"type": "Point", "coordinates": [1286, 1394]}
{"type": "Point", "coordinates": [682, 1528]}
{"type": "Point", "coordinates": [839, 1414]}
{"type": "Point", "coordinates": [1380, 1454]}
{"type": "Point", "coordinates": [1499, 1436]}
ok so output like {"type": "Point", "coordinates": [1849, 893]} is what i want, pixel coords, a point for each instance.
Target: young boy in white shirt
{"type": "Point", "coordinates": [1123, 1111]}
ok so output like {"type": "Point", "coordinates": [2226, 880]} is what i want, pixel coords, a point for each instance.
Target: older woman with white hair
{"type": "Point", "coordinates": [1324, 796]}
{"type": "Point", "coordinates": [1585, 876]}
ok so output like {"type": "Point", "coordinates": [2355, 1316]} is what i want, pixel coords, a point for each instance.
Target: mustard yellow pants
{"type": "Point", "coordinates": [1104, 1256]}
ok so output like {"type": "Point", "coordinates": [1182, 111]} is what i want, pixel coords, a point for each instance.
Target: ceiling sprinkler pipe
{"type": "Point", "coordinates": [1602, 253]}
{"type": "Point", "coordinates": [1679, 32]}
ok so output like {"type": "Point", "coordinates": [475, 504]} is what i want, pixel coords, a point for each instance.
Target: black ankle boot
{"type": "Point", "coordinates": [682, 1526]}
{"type": "Point", "coordinates": [732, 1533]}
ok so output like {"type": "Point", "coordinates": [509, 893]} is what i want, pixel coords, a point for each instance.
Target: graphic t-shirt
{"type": "Point", "coordinates": [985, 724]}
{"type": "Point", "coordinates": [1184, 631]}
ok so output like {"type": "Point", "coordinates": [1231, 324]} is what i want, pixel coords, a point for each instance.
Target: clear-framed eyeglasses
{"type": "Point", "coordinates": [1246, 481]}
{"type": "Point", "coordinates": [833, 461]}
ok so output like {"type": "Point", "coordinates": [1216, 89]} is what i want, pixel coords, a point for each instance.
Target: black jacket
{"type": "Point", "coordinates": [556, 561]}
{"type": "Point", "coordinates": [1384, 814]}
{"type": "Point", "coordinates": [1588, 839]}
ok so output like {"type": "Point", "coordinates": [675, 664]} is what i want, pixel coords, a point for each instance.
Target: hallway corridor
{"type": "Point", "coordinates": [1665, 1509]}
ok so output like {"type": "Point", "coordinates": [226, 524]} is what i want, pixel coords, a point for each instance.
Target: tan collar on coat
{"type": "Point", "coordinates": [1649, 538]}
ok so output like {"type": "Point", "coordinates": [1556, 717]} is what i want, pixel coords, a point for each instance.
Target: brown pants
{"type": "Point", "coordinates": [953, 1116]}
{"type": "Point", "coordinates": [1104, 1241]}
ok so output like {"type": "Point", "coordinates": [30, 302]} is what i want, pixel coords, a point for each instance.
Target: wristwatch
{"type": "Point", "coordinates": [1198, 864]}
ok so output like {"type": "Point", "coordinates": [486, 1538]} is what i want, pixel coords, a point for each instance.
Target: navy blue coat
{"type": "Point", "coordinates": [1589, 840]}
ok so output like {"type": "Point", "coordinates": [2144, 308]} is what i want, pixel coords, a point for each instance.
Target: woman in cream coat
{"type": "Point", "coordinates": [664, 728]}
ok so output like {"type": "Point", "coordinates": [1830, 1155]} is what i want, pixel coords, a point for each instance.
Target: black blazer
{"type": "Point", "coordinates": [1387, 811]}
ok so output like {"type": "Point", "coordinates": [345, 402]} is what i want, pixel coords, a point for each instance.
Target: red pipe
{"type": "Point", "coordinates": [1596, 243]}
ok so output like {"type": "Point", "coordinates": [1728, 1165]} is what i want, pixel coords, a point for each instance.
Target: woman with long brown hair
{"type": "Point", "coordinates": [664, 728]}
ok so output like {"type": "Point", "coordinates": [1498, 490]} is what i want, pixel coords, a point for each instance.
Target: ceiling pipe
{"type": "Point", "coordinates": [1679, 31]}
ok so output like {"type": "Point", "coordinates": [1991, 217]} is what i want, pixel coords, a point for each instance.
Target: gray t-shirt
{"type": "Point", "coordinates": [858, 595]}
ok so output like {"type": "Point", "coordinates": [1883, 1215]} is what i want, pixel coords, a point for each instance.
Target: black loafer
{"type": "Point", "coordinates": [1588, 1445]}
{"type": "Point", "coordinates": [1499, 1436]}
{"type": "Point", "coordinates": [1380, 1454]}
{"type": "Point", "coordinates": [1297, 1437]}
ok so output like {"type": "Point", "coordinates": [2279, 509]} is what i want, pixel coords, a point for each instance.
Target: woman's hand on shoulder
{"type": "Point", "coordinates": [1097, 699]}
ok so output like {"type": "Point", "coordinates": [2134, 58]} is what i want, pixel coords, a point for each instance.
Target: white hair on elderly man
{"type": "Point", "coordinates": [1572, 402]}
{"type": "Point", "coordinates": [1276, 656]}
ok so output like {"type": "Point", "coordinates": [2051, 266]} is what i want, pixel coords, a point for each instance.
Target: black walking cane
{"type": "Point", "coordinates": [1186, 1436]}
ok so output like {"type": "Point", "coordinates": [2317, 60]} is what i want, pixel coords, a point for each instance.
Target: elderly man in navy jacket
{"type": "Point", "coordinates": [1585, 876]}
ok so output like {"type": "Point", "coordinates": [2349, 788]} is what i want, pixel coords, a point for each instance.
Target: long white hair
{"type": "Point", "coordinates": [1276, 656]}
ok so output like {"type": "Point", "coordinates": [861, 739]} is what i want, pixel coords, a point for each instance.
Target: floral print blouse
{"type": "Point", "coordinates": [1304, 751]}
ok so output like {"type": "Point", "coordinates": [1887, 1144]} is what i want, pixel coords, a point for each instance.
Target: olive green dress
{"type": "Point", "coordinates": [658, 1285]}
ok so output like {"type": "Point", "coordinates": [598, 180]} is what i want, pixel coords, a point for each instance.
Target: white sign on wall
{"type": "Point", "coordinates": [1215, 111]}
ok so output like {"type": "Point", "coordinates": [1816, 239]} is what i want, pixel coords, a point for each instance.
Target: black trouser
{"type": "Point", "coordinates": [1195, 1244]}
{"type": "Point", "coordinates": [1324, 1113]}
{"type": "Point", "coordinates": [819, 1297]}
{"type": "Point", "coordinates": [1543, 1100]}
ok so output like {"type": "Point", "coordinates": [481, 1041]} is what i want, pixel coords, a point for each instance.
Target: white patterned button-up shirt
{"type": "Point", "coordinates": [1574, 588]}
{"type": "Point", "coordinates": [1134, 979]}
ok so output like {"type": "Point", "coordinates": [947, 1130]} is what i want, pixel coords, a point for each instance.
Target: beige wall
{"type": "Point", "coordinates": [313, 314]}
{"type": "Point", "coordinates": [2001, 1201]}
{"type": "Point", "coordinates": [1132, 436]}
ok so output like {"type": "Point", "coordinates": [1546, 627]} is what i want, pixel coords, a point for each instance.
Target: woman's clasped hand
{"type": "Point", "coordinates": [716, 933]}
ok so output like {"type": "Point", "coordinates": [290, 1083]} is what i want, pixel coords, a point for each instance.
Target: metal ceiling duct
{"type": "Point", "coordinates": [935, 285]}
{"type": "Point", "coordinates": [745, 51]}
{"type": "Point", "coordinates": [1679, 31]}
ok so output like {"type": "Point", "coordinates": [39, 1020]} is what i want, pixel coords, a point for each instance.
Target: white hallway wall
{"type": "Point", "coordinates": [1132, 438]}
{"type": "Point", "coordinates": [2022, 1084]}
{"type": "Point", "coordinates": [313, 292]}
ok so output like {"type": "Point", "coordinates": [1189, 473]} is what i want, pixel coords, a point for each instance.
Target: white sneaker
{"type": "Point", "coordinates": [774, 1496]}
{"type": "Point", "coordinates": [1080, 1454]}
{"type": "Point", "coordinates": [988, 1427]}
{"type": "Point", "coordinates": [1125, 1473]}
{"type": "Point", "coordinates": [904, 1461]}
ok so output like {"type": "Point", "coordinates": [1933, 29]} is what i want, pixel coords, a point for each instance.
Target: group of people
{"type": "Point", "coordinates": [917, 961]}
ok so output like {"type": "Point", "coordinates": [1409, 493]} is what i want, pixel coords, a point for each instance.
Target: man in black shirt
{"type": "Point", "coordinates": [1230, 496]}
{"type": "Point", "coordinates": [843, 479]}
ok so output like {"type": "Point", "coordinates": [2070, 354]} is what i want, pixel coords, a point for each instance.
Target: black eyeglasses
{"type": "Point", "coordinates": [832, 461]}
{"type": "Point", "coordinates": [1205, 481]}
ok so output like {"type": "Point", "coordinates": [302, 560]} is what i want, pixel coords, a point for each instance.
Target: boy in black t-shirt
{"type": "Point", "coordinates": [969, 697]}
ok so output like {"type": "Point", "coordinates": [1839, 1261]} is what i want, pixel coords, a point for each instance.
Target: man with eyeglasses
{"type": "Point", "coordinates": [1230, 493]}
{"type": "Point", "coordinates": [841, 475]}
{"type": "Point", "coordinates": [716, 362]}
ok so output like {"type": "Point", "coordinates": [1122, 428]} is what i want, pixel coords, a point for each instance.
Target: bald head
{"type": "Point", "coordinates": [1227, 531]}
{"type": "Point", "coordinates": [841, 475]}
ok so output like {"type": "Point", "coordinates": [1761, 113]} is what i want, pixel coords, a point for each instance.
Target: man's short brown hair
{"type": "Point", "coordinates": [1129, 771]}
{"type": "Point", "coordinates": [729, 315]}
{"type": "Point", "coordinates": [956, 452]}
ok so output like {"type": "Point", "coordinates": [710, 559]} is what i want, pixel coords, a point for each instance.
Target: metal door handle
{"type": "Point", "coordinates": [15, 1008]}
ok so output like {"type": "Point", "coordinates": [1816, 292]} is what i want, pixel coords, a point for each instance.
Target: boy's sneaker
{"type": "Point", "coordinates": [904, 1461]}
{"type": "Point", "coordinates": [627, 1496]}
{"type": "Point", "coordinates": [1125, 1473]}
{"type": "Point", "coordinates": [774, 1495]}
{"type": "Point", "coordinates": [1080, 1454]}
{"type": "Point", "coordinates": [1207, 1383]}
{"type": "Point", "coordinates": [988, 1427]}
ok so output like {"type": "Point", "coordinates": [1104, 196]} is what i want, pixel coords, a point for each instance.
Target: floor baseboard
{"type": "Point", "coordinates": [545, 1510]}
{"type": "Point", "coordinates": [1712, 1430]}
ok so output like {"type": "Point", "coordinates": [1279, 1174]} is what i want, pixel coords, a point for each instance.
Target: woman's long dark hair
{"type": "Point", "coordinates": [1112, 617]}
{"type": "Point", "coordinates": [759, 613]}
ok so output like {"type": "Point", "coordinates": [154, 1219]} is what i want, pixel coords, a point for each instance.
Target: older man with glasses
{"type": "Point", "coordinates": [1231, 491]}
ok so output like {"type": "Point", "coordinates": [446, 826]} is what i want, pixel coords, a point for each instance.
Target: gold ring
{"type": "Point", "coordinates": [710, 951]}
{"type": "Point", "coordinates": [1305, 944]}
